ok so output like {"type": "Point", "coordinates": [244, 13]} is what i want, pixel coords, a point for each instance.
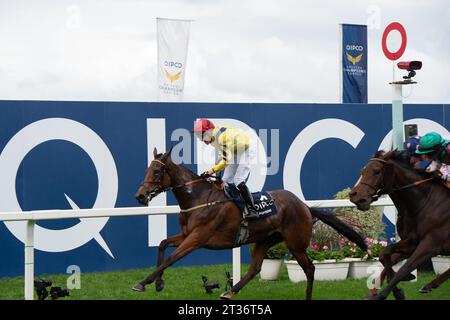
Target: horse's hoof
{"type": "Point", "coordinates": [371, 293]}
{"type": "Point", "coordinates": [227, 295]}
{"type": "Point", "coordinates": [399, 294]}
{"type": "Point", "coordinates": [409, 277]}
{"type": "Point", "coordinates": [425, 289]}
{"type": "Point", "coordinates": [139, 287]}
{"type": "Point", "coordinates": [377, 297]}
{"type": "Point", "coordinates": [159, 285]}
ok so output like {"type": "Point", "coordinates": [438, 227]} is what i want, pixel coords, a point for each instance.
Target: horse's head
{"type": "Point", "coordinates": [375, 179]}
{"type": "Point", "coordinates": [156, 179]}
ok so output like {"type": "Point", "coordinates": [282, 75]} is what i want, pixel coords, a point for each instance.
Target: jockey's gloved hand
{"type": "Point", "coordinates": [422, 165]}
{"type": "Point", "coordinates": [205, 174]}
{"type": "Point", "coordinates": [437, 175]}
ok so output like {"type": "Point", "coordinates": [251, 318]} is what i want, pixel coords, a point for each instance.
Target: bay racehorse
{"type": "Point", "coordinates": [423, 222]}
{"type": "Point", "coordinates": [208, 219]}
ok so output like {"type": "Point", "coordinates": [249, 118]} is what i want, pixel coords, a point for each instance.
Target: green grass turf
{"type": "Point", "coordinates": [185, 283]}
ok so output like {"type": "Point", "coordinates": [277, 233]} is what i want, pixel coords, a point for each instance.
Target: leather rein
{"type": "Point", "coordinates": [379, 190]}
{"type": "Point", "coordinates": [160, 188]}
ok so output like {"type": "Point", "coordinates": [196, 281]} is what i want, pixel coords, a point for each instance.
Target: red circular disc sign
{"type": "Point", "coordinates": [394, 55]}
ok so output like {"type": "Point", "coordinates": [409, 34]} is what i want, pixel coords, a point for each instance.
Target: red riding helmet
{"type": "Point", "coordinates": [202, 125]}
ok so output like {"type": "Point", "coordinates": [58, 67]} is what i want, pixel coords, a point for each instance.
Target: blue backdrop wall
{"type": "Point", "coordinates": [49, 147]}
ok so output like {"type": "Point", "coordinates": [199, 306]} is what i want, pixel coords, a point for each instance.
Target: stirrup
{"type": "Point", "coordinates": [250, 213]}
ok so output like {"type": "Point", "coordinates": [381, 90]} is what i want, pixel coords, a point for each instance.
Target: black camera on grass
{"type": "Point", "coordinates": [209, 286]}
{"type": "Point", "coordinates": [58, 292]}
{"type": "Point", "coordinates": [41, 286]}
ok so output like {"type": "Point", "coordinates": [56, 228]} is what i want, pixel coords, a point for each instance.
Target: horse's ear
{"type": "Point", "coordinates": [155, 153]}
{"type": "Point", "coordinates": [167, 154]}
{"type": "Point", "coordinates": [388, 155]}
{"type": "Point", "coordinates": [379, 154]}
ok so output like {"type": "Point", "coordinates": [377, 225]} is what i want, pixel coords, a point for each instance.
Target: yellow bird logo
{"type": "Point", "coordinates": [172, 77]}
{"type": "Point", "coordinates": [354, 60]}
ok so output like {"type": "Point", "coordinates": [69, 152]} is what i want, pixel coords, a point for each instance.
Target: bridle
{"type": "Point", "coordinates": [159, 187]}
{"type": "Point", "coordinates": [378, 192]}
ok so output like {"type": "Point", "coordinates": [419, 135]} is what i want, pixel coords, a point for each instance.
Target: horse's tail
{"type": "Point", "coordinates": [344, 229]}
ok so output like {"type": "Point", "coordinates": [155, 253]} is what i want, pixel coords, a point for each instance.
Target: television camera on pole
{"type": "Point", "coordinates": [393, 29]}
{"type": "Point", "coordinates": [388, 43]}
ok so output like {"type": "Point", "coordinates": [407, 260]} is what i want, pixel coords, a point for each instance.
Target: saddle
{"type": "Point", "coordinates": [264, 202]}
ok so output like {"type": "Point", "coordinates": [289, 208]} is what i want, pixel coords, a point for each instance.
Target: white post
{"type": "Point", "coordinates": [236, 265]}
{"type": "Point", "coordinates": [29, 261]}
{"type": "Point", "coordinates": [397, 127]}
{"type": "Point", "coordinates": [397, 116]}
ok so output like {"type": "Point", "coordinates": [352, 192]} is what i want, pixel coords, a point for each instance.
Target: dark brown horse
{"type": "Point", "coordinates": [423, 223]}
{"type": "Point", "coordinates": [208, 219]}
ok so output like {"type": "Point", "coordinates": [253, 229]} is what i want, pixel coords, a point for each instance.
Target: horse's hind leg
{"type": "Point", "coordinates": [259, 251]}
{"type": "Point", "coordinates": [436, 282]}
{"type": "Point", "coordinates": [308, 267]}
{"type": "Point", "coordinates": [169, 242]}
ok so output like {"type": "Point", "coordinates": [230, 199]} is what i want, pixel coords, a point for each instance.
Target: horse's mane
{"type": "Point", "coordinates": [401, 158]}
{"type": "Point", "coordinates": [159, 156]}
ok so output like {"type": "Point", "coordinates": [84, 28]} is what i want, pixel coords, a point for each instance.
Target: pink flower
{"type": "Point", "coordinates": [325, 248]}
{"type": "Point", "coordinates": [383, 243]}
{"type": "Point", "coordinates": [314, 246]}
{"type": "Point", "coordinates": [369, 251]}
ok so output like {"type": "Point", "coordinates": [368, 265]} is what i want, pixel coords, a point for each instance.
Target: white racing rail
{"type": "Point", "coordinates": [32, 216]}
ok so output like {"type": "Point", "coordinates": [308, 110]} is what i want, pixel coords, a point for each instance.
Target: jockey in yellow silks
{"type": "Point", "coordinates": [233, 150]}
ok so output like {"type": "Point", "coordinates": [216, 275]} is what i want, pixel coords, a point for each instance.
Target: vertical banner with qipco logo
{"type": "Point", "coordinates": [353, 64]}
{"type": "Point", "coordinates": [173, 40]}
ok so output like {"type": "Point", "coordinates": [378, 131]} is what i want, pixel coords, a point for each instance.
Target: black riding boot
{"type": "Point", "coordinates": [247, 196]}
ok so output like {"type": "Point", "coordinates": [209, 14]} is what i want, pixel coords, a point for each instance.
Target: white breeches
{"type": "Point", "coordinates": [239, 168]}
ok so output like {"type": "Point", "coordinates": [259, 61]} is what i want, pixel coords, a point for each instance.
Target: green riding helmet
{"type": "Point", "coordinates": [429, 143]}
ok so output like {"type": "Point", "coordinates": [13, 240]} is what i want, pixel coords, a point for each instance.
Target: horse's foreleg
{"type": "Point", "coordinates": [189, 244]}
{"type": "Point", "coordinates": [400, 250]}
{"type": "Point", "coordinates": [394, 259]}
{"type": "Point", "coordinates": [390, 256]}
{"type": "Point", "coordinates": [436, 282]}
{"type": "Point", "coordinates": [169, 242]}
{"type": "Point", "coordinates": [425, 250]}
{"type": "Point", "coordinates": [393, 254]}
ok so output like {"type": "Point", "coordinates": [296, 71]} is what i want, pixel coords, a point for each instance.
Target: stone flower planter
{"type": "Point", "coordinates": [270, 269]}
{"type": "Point", "coordinates": [325, 270]}
{"type": "Point", "coordinates": [360, 268]}
{"type": "Point", "coordinates": [440, 264]}
{"type": "Point", "coordinates": [295, 272]}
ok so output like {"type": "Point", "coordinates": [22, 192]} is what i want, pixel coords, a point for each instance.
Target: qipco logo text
{"type": "Point", "coordinates": [173, 64]}
{"type": "Point", "coordinates": [354, 47]}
